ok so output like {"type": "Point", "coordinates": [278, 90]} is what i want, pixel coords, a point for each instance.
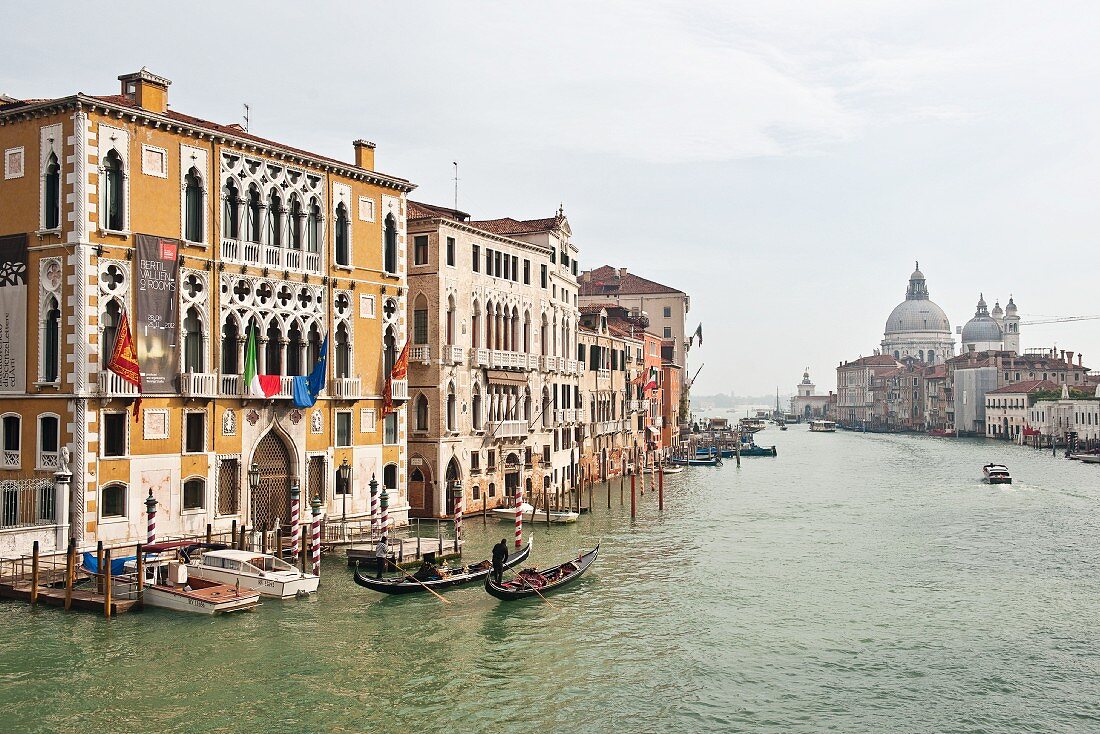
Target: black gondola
{"type": "Point", "coordinates": [457, 577]}
{"type": "Point", "coordinates": [521, 586]}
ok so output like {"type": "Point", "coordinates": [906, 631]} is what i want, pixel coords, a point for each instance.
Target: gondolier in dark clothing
{"type": "Point", "coordinates": [500, 555]}
{"type": "Point", "coordinates": [381, 554]}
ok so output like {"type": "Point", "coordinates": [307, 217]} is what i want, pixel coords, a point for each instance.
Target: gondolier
{"type": "Point", "coordinates": [381, 554]}
{"type": "Point", "coordinates": [500, 554]}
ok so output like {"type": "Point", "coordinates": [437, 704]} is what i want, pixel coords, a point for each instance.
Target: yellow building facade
{"type": "Point", "coordinates": [199, 233]}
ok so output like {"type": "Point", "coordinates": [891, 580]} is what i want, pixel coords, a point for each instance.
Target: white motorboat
{"type": "Point", "coordinates": [672, 469]}
{"type": "Point", "coordinates": [997, 474]}
{"type": "Point", "coordinates": [167, 585]}
{"type": "Point", "coordinates": [508, 514]}
{"type": "Point", "coordinates": [821, 426]}
{"type": "Point", "coordinates": [261, 572]}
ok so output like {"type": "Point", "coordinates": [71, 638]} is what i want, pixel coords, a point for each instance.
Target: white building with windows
{"type": "Point", "coordinates": [494, 397]}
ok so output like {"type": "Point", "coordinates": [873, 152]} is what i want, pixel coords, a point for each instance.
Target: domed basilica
{"type": "Point", "coordinates": [917, 327]}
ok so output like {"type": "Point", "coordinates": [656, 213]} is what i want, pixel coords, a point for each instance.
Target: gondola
{"type": "Point", "coordinates": [521, 586]}
{"type": "Point", "coordinates": [715, 461]}
{"type": "Point", "coordinates": [457, 577]}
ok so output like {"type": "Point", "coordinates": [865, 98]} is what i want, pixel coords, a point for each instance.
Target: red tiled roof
{"type": "Point", "coordinates": [596, 307]}
{"type": "Point", "coordinates": [935, 371]}
{"type": "Point", "coordinates": [420, 210]}
{"type": "Point", "coordinates": [1026, 386]}
{"type": "Point", "coordinates": [606, 280]}
{"type": "Point", "coordinates": [507, 225]}
{"type": "Point", "coordinates": [875, 360]}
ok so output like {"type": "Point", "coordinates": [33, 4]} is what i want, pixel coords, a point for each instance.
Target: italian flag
{"type": "Point", "coordinates": [258, 386]}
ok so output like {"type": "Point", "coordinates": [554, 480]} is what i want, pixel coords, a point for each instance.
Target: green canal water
{"type": "Point", "coordinates": [856, 583]}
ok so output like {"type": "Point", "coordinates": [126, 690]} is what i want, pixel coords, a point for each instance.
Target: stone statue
{"type": "Point", "coordinates": [63, 461]}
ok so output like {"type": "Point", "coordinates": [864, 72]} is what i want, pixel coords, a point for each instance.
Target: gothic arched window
{"type": "Point", "coordinates": [51, 348]}
{"type": "Point", "coordinates": [115, 191]}
{"type": "Point", "coordinates": [343, 246]}
{"type": "Point", "coordinates": [192, 342]}
{"type": "Point", "coordinates": [343, 351]}
{"type": "Point", "coordinates": [52, 194]}
{"type": "Point", "coordinates": [389, 245]}
{"type": "Point", "coordinates": [421, 413]}
{"type": "Point", "coordinates": [192, 207]}
{"type": "Point", "coordinates": [231, 212]}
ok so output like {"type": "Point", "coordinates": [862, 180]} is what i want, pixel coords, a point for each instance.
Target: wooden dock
{"type": "Point", "coordinates": [83, 599]}
{"type": "Point", "coordinates": [403, 550]}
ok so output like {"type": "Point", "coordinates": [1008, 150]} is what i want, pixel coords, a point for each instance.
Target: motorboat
{"type": "Point", "coordinates": [508, 514]}
{"type": "Point", "coordinates": [670, 469]}
{"type": "Point", "coordinates": [753, 425]}
{"type": "Point", "coordinates": [167, 584]}
{"type": "Point", "coordinates": [822, 426]}
{"type": "Point", "coordinates": [261, 572]}
{"type": "Point", "coordinates": [997, 474]}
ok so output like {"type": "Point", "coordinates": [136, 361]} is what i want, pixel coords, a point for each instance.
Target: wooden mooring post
{"type": "Point", "coordinates": [633, 496]}
{"type": "Point", "coordinates": [34, 574]}
{"type": "Point", "coordinates": [140, 575]}
{"type": "Point", "coordinates": [661, 488]}
{"type": "Point", "coordinates": [105, 572]}
{"type": "Point", "coordinates": [99, 567]}
{"type": "Point", "coordinates": [70, 561]}
{"type": "Point", "coordinates": [209, 533]}
{"type": "Point", "coordinates": [233, 534]}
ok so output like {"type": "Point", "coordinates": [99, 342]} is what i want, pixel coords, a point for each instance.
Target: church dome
{"type": "Point", "coordinates": [917, 313]}
{"type": "Point", "coordinates": [983, 327]}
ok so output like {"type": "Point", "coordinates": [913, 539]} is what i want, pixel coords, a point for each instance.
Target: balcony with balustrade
{"type": "Point", "coordinates": [479, 357]}
{"type": "Point", "coordinates": [420, 353]}
{"type": "Point", "coordinates": [571, 366]}
{"type": "Point", "coordinates": [548, 363]}
{"type": "Point", "coordinates": [603, 373]}
{"type": "Point", "coordinates": [399, 390]}
{"type": "Point", "coordinates": [532, 361]}
{"type": "Point", "coordinates": [113, 386]}
{"type": "Point", "coordinates": [507, 429]}
{"type": "Point", "coordinates": [199, 385]}
{"type": "Point", "coordinates": [502, 359]}
{"type": "Point", "coordinates": [246, 252]}
{"type": "Point", "coordinates": [638, 406]}
{"type": "Point", "coordinates": [345, 388]}
{"type": "Point", "coordinates": [453, 354]}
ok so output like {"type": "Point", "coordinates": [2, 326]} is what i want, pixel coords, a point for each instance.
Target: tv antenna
{"type": "Point", "coordinates": [455, 163]}
{"type": "Point", "coordinates": [246, 118]}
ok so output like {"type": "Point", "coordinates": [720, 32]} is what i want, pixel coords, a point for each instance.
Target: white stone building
{"type": "Point", "coordinates": [917, 327]}
{"type": "Point", "coordinates": [493, 396]}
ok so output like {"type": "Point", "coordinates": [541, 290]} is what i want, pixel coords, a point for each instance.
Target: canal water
{"type": "Point", "coordinates": [856, 583]}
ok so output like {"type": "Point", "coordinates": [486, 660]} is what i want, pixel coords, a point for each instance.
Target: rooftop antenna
{"type": "Point", "coordinates": [456, 184]}
{"type": "Point", "coordinates": [246, 118]}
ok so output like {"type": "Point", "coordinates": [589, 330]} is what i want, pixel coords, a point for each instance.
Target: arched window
{"type": "Point", "coordinates": [389, 244]}
{"type": "Point", "coordinates": [255, 223]}
{"type": "Point", "coordinates": [52, 194]}
{"type": "Point", "coordinates": [275, 219]}
{"type": "Point", "coordinates": [12, 441]}
{"type": "Point", "coordinates": [48, 441]}
{"type": "Point", "coordinates": [295, 222]}
{"type": "Point", "coordinates": [343, 351]}
{"type": "Point", "coordinates": [109, 319]}
{"type": "Point", "coordinates": [420, 320]}
{"type": "Point", "coordinates": [192, 342]}
{"type": "Point", "coordinates": [194, 493]}
{"type": "Point", "coordinates": [475, 326]}
{"type": "Point", "coordinates": [51, 347]}
{"type": "Point", "coordinates": [452, 408]}
{"type": "Point", "coordinates": [314, 347]}
{"type": "Point", "coordinates": [389, 352]}
{"type": "Point", "coordinates": [450, 326]}
{"type": "Point", "coordinates": [231, 212]}
{"type": "Point", "coordinates": [421, 413]}
{"type": "Point", "coordinates": [313, 226]}
{"type": "Point", "coordinates": [527, 405]}
{"type": "Point", "coordinates": [527, 332]}
{"type": "Point", "coordinates": [294, 351]}
{"type": "Point", "coordinates": [542, 336]}
{"type": "Point", "coordinates": [389, 477]}
{"type": "Point", "coordinates": [274, 349]}
{"type": "Point", "coordinates": [192, 207]}
{"type": "Point", "coordinates": [113, 501]}
{"type": "Point", "coordinates": [115, 192]}
{"type": "Point", "coordinates": [343, 246]}
{"type": "Point", "coordinates": [230, 337]}
{"type": "Point", "coordinates": [475, 413]}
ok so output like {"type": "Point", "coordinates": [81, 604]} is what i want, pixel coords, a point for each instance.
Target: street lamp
{"type": "Point", "coordinates": [254, 476]}
{"type": "Point", "coordinates": [344, 475]}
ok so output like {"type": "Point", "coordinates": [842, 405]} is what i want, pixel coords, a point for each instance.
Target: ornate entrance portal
{"type": "Point", "coordinates": [270, 502]}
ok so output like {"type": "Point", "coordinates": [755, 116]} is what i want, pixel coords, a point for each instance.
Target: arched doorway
{"type": "Point", "coordinates": [270, 500]}
{"type": "Point", "coordinates": [454, 474]}
{"type": "Point", "coordinates": [421, 496]}
{"type": "Point", "coordinates": [511, 475]}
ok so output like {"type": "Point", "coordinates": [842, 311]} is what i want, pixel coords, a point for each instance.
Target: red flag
{"type": "Point", "coordinates": [399, 372]}
{"type": "Point", "coordinates": [124, 361]}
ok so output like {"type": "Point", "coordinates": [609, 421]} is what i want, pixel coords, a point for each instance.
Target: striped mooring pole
{"type": "Point", "coordinates": [151, 510]}
{"type": "Point", "coordinates": [295, 522]}
{"type": "Point", "coordinates": [457, 489]}
{"type": "Point", "coordinates": [315, 544]}
{"type": "Point", "coordinates": [519, 516]}
{"type": "Point", "coordinates": [373, 506]}
{"type": "Point", "coordinates": [385, 496]}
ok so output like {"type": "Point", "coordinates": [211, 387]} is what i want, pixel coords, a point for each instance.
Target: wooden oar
{"type": "Point", "coordinates": [410, 576]}
{"type": "Point", "coordinates": [534, 590]}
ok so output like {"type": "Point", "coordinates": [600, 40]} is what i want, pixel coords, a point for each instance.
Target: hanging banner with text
{"type": "Point", "coordinates": [13, 314]}
{"type": "Point", "coordinates": [156, 325]}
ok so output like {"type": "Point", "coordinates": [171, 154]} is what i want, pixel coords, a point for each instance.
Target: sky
{"type": "Point", "coordinates": [784, 163]}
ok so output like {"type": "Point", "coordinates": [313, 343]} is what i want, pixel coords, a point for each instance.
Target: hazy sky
{"type": "Point", "coordinates": [783, 163]}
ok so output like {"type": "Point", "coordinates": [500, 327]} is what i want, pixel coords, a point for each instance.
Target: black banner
{"type": "Point", "coordinates": [13, 314]}
{"type": "Point", "coordinates": [156, 326]}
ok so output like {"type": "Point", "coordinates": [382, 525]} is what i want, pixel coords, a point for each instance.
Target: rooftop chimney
{"type": "Point", "coordinates": [147, 90]}
{"type": "Point", "coordinates": [1079, 358]}
{"type": "Point", "coordinates": [622, 272]}
{"type": "Point", "coordinates": [364, 154]}
{"type": "Point", "coordinates": [1069, 356]}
